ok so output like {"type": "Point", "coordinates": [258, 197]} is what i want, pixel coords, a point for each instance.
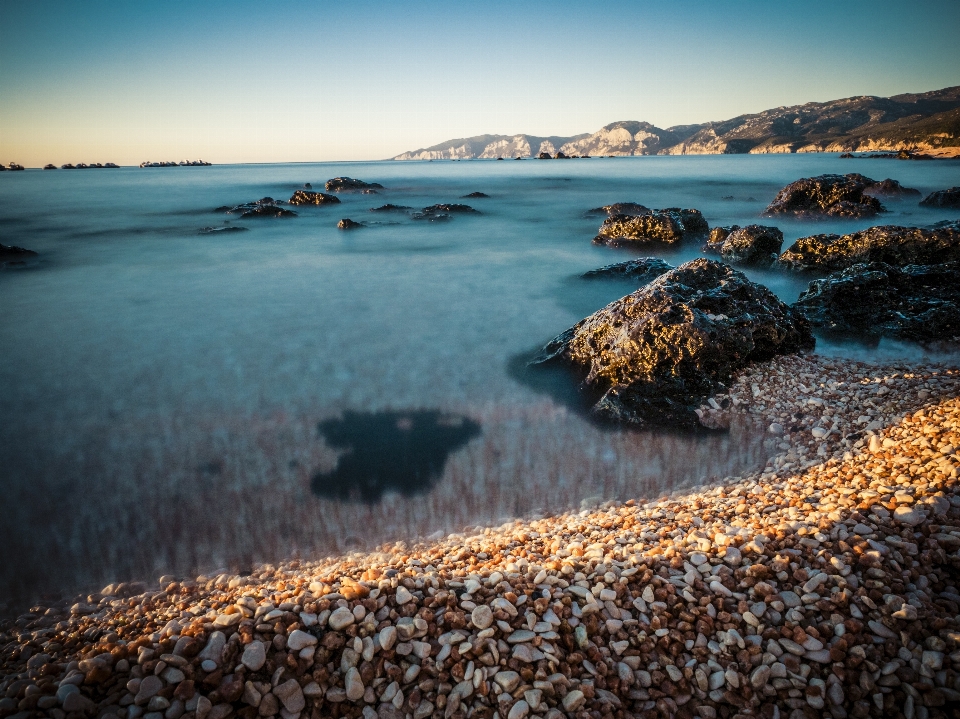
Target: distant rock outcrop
{"type": "Point", "coordinates": [653, 356]}
{"type": "Point", "coordinates": [917, 302]}
{"type": "Point", "coordinates": [942, 198]}
{"type": "Point", "coordinates": [12, 256]}
{"type": "Point", "coordinates": [927, 122]}
{"type": "Point", "coordinates": [390, 208]}
{"type": "Point", "coordinates": [827, 195]}
{"type": "Point", "coordinates": [891, 244]}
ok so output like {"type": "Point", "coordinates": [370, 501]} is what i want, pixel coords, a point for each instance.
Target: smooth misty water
{"type": "Point", "coordinates": [174, 402]}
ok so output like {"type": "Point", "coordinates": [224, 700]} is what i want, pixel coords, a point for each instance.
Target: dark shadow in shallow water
{"type": "Point", "coordinates": [401, 452]}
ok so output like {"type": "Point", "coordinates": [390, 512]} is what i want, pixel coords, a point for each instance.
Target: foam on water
{"type": "Point", "coordinates": [160, 390]}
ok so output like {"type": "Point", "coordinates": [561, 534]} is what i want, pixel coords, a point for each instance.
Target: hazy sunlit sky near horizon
{"type": "Point", "coordinates": [273, 82]}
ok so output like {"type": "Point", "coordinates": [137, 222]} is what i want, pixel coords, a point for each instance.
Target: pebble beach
{"type": "Point", "coordinates": [825, 583]}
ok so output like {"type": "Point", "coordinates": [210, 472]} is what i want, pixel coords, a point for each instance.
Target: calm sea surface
{"type": "Point", "coordinates": [172, 402]}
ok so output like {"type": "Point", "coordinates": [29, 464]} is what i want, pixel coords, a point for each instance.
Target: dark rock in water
{"type": "Point", "coordinates": [12, 256]}
{"type": "Point", "coordinates": [917, 302]}
{"type": "Point", "coordinates": [479, 194]}
{"type": "Point", "coordinates": [693, 220]}
{"type": "Point", "coordinates": [718, 236]}
{"type": "Point", "coordinates": [390, 208]}
{"type": "Point", "coordinates": [892, 244]}
{"type": "Point", "coordinates": [68, 166]}
{"type": "Point", "coordinates": [728, 197]}
{"type": "Point", "coordinates": [305, 197]}
{"type": "Point", "coordinates": [643, 270]}
{"type": "Point", "coordinates": [432, 217]}
{"type": "Point", "coordinates": [347, 184]}
{"type": "Point", "coordinates": [15, 167]}
{"type": "Point", "coordinates": [307, 186]}
{"type": "Point", "coordinates": [942, 198]}
{"type": "Point", "coordinates": [652, 357]}
{"type": "Point", "coordinates": [620, 230]}
{"type": "Point", "coordinates": [756, 245]}
{"type": "Point", "coordinates": [544, 156]}
{"type": "Point", "coordinates": [892, 189]}
{"type": "Point", "coordinates": [267, 211]}
{"type": "Point", "coordinates": [403, 452]}
{"type": "Point", "coordinates": [369, 192]}
{"type": "Point", "coordinates": [621, 208]}
{"type": "Point", "coordinates": [225, 228]}
{"type": "Point", "coordinates": [347, 224]}
{"type": "Point", "coordinates": [830, 195]}
{"type": "Point", "coordinates": [445, 209]}
{"type": "Point", "coordinates": [561, 156]}
{"type": "Point", "coordinates": [50, 167]}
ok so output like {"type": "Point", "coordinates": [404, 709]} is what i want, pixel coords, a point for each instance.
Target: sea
{"type": "Point", "coordinates": [179, 403]}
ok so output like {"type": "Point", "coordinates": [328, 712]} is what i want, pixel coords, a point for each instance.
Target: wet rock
{"type": "Point", "coordinates": [891, 244]}
{"type": "Point", "coordinates": [442, 212]}
{"type": "Point", "coordinates": [348, 184]}
{"type": "Point", "coordinates": [223, 229]}
{"type": "Point", "coordinates": [642, 270]}
{"type": "Point", "coordinates": [717, 237]}
{"type": "Point", "coordinates": [621, 230]}
{"type": "Point", "coordinates": [693, 220]}
{"type": "Point", "coordinates": [827, 195]}
{"type": "Point", "coordinates": [476, 195]}
{"type": "Point", "coordinates": [943, 198]}
{"type": "Point", "coordinates": [305, 197]}
{"type": "Point", "coordinates": [892, 189]}
{"type": "Point", "coordinates": [755, 245]}
{"type": "Point", "coordinates": [917, 302]}
{"type": "Point", "coordinates": [656, 354]}
{"type": "Point", "coordinates": [390, 208]}
{"type": "Point", "coordinates": [621, 208]}
{"type": "Point", "coordinates": [347, 224]}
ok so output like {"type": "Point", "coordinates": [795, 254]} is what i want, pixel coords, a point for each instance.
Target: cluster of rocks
{"type": "Point", "coordinates": [182, 163]}
{"type": "Point", "coordinates": [264, 207]}
{"type": "Point", "coordinates": [12, 166]}
{"type": "Point", "coordinates": [756, 245]}
{"type": "Point", "coordinates": [919, 303]}
{"type": "Point", "coordinates": [825, 584]}
{"type": "Point", "coordinates": [653, 356]}
{"type": "Point", "coordinates": [891, 244]}
{"type": "Point", "coordinates": [558, 156]}
{"type": "Point", "coordinates": [900, 155]}
{"type": "Point", "coordinates": [642, 225]}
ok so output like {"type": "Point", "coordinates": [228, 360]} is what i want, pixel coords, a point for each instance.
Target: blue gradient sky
{"type": "Point", "coordinates": [302, 81]}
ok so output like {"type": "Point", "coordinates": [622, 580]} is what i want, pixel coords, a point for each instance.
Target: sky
{"type": "Point", "coordinates": [309, 81]}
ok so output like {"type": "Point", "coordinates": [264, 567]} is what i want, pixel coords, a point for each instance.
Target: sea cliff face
{"type": "Point", "coordinates": [926, 122]}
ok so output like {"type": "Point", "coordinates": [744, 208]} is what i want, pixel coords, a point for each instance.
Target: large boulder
{"type": "Point", "coordinates": [892, 244]}
{"type": "Point", "coordinates": [755, 245]}
{"type": "Point", "coordinates": [653, 356]}
{"type": "Point", "coordinates": [642, 270]}
{"type": "Point", "coordinates": [830, 195]}
{"type": "Point", "coordinates": [348, 184]}
{"type": "Point", "coordinates": [872, 300]}
{"type": "Point", "coordinates": [942, 198]}
{"type": "Point", "coordinates": [306, 197]}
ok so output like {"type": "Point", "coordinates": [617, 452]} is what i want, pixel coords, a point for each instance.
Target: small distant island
{"type": "Point", "coordinates": [182, 163]}
{"type": "Point", "coordinates": [926, 122]}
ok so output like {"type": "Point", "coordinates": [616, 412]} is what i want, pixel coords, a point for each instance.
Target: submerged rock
{"type": "Point", "coordinates": [267, 211]}
{"type": "Point", "coordinates": [644, 270]}
{"type": "Point", "coordinates": [653, 356]}
{"type": "Point", "coordinates": [916, 302]}
{"type": "Point", "coordinates": [347, 224]}
{"type": "Point", "coordinates": [892, 244]}
{"type": "Point", "coordinates": [891, 188]}
{"type": "Point", "coordinates": [12, 256]}
{"type": "Point", "coordinates": [305, 197]}
{"type": "Point", "coordinates": [621, 208]}
{"type": "Point", "coordinates": [756, 245]}
{"type": "Point", "coordinates": [831, 195]}
{"type": "Point", "coordinates": [442, 212]}
{"type": "Point", "coordinates": [942, 198]}
{"type": "Point", "coordinates": [390, 208]}
{"type": "Point", "coordinates": [347, 184]}
{"type": "Point", "coordinates": [225, 228]}
{"type": "Point", "coordinates": [478, 195]}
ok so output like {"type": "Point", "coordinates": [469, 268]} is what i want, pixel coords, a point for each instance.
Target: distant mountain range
{"type": "Point", "coordinates": [928, 121]}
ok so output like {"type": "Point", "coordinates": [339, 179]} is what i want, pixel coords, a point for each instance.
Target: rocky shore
{"type": "Point", "coordinates": [824, 584]}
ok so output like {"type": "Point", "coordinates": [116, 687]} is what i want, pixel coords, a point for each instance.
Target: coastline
{"type": "Point", "coordinates": [825, 582]}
